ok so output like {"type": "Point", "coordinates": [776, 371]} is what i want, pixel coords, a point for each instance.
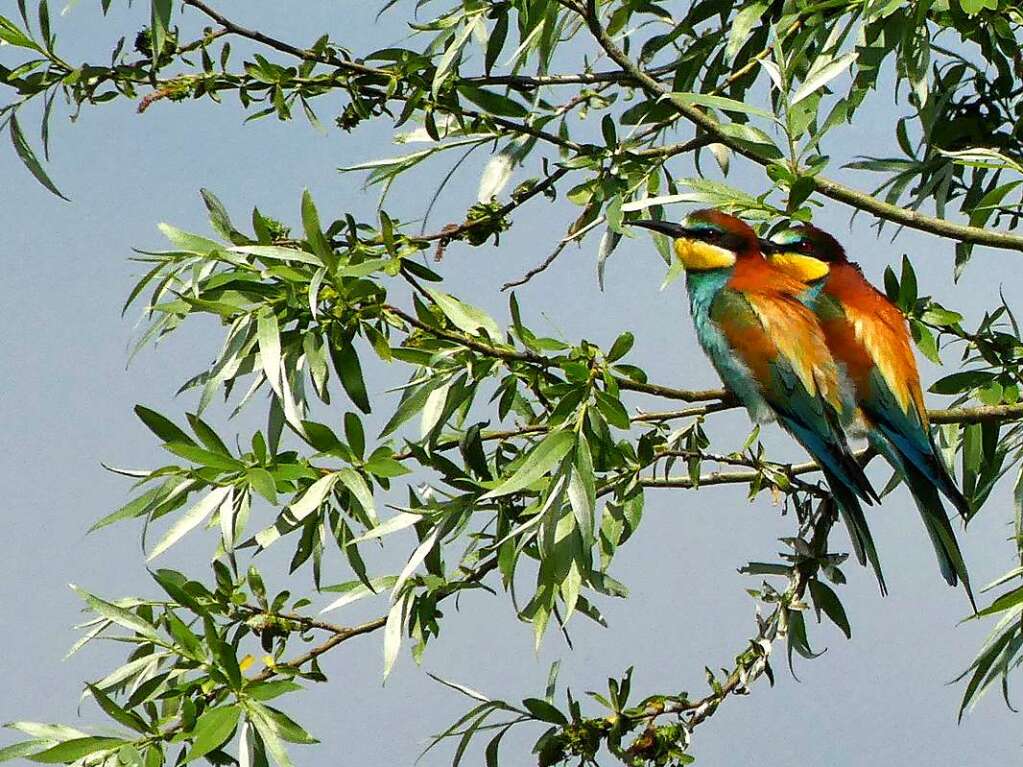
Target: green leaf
{"type": "Point", "coordinates": [277, 253]}
{"type": "Point", "coordinates": [26, 747]}
{"type": "Point", "coordinates": [212, 730]}
{"type": "Point", "coordinates": [10, 33]}
{"type": "Point", "coordinates": [360, 490]}
{"type": "Point", "coordinates": [393, 632]}
{"type": "Point", "coordinates": [538, 462]}
{"type": "Point", "coordinates": [398, 522]}
{"type": "Point", "coordinates": [821, 77]}
{"type": "Point", "coordinates": [286, 727]}
{"type": "Point", "coordinates": [203, 457]}
{"type": "Point", "coordinates": [492, 103]}
{"type": "Point", "coordinates": [466, 318]}
{"type": "Point", "coordinates": [620, 347]}
{"type": "Point", "coordinates": [127, 718]}
{"type": "Point", "coordinates": [73, 750]}
{"type": "Point", "coordinates": [741, 26]}
{"type": "Point", "coordinates": [349, 370]}
{"type": "Point", "coordinates": [268, 333]}
{"type": "Point", "coordinates": [271, 690]}
{"type": "Point", "coordinates": [824, 598]}
{"type": "Point", "coordinates": [962, 381]}
{"type": "Point", "coordinates": [188, 242]}
{"type": "Point", "coordinates": [582, 491]}
{"type": "Point", "coordinates": [612, 409]}
{"type": "Point", "coordinates": [263, 483]}
{"type": "Point", "coordinates": [159, 26]}
{"type": "Point", "coordinates": [722, 103]}
{"type": "Point", "coordinates": [162, 427]}
{"type": "Point", "coordinates": [451, 55]}
{"type": "Point", "coordinates": [313, 498]}
{"type": "Point", "coordinates": [119, 615]}
{"type": "Point", "coordinates": [544, 711]}
{"type": "Point", "coordinates": [28, 158]}
{"type": "Point", "coordinates": [356, 590]}
{"type": "Point", "coordinates": [313, 233]}
{"type": "Point", "coordinates": [268, 732]}
{"type": "Point", "coordinates": [410, 405]}
{"type": "Point", "coordinates": [191, 519]}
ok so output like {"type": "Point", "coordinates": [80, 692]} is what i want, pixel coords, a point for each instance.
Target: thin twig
{"type": "Point", "coordinates": [542, 266]}
{"type": "Point", "coordinates": [449, 233]}
{"type": "Point", "coordinates": [284, 47]}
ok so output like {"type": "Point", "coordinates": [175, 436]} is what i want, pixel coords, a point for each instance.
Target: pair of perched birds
{"type": "Point", "coordinates": [799, 335]}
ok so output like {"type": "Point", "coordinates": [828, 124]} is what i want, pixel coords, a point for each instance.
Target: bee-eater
{"type": "Point", "coordinates": [867, 334]}
{"type": "Point", "coordinates": [770, 352]}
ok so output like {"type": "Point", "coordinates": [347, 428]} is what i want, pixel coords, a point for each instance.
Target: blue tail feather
{"type": "Point", "coordinates": [932, 512]}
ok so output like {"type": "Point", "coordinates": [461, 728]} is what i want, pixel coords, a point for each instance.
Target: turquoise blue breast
{"type": "Point", "coordinates": [704, 287]}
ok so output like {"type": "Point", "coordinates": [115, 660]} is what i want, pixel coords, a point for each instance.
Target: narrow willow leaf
{"type": "Point", "coordinates": [24, 749]}
{"type": "Point", "coordinates": [449, 59]}
{"type": "Point", "coordinates": [722, 103]}
{"type": "Point", "coordinates": [212, 730]}
{"type": "Point", "coordinates": [159, 26]}
{"type": "Point", "coordinates": [191, 519]}
{"type": "Point", "coordinates": [421, 552]}
{"type": "Point", "coordinates": [268, 732]}
{"type": "Point", "coordinates": [392, 525]}
{"type": "Point", "coordinates": [393, 630]}
{"type": "Point", "coordinates": [496, 174]}
{"type": "Point", "coordinates": [349, 370]}
{"type": "Point", "coordinates": [433, 409]}
{"type": "Point", "coordinates": [313, 498]}
{"type": "Point", "coordinates": [277, 253]}
{"type": "Point", "coordinates": [119, 615]}
{"type": "Point", "coordinates": [466, 318]}
{"type": "Point", "coordinates": [28, 158]}
{"type": "Point", "coordinates": [269, 335]}
{"type": "Point", "coordinates": [188, 242]}
{"type": "Point", "coordinates": [314, 291]}
{"type": "Point", "coordinates": [73, 750]}
{"type": "Point", "coordinates": [742, 25]}
{"type": "Point", "coordinates": [313, 233]}
{"type": "Point", "coordinates": [582, 491]}
{"type": "Point", "coordinates": [245, 744]}
{"type": "Point", "coordinates": [538, 462]}
{"type": "Point", "coordinates": [162, 427]}
{"type": "Point", "coordinates": [356, 590]}
{"type": "Point", "coordinates": [42, 731]}
{"type": "Point", "coordinates": [817, 80]}
{"type": "Point", "coordinates": [360, 490]}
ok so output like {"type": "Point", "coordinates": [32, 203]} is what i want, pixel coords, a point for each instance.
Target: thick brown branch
{"type": "Point", "coordinates": [978, 414]}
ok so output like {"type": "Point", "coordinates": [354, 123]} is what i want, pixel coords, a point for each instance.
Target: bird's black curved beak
{"type": "Point", "coordinates": [674, 231]}
{"type": "Point", "coordinates": [768, 246]}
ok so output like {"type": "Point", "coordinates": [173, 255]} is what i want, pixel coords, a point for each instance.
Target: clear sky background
{"type": "Point", "coordinates": [67, 405]}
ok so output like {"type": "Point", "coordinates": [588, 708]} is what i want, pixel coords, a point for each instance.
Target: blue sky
{"type": "Point", "coordinates": [68, 398]}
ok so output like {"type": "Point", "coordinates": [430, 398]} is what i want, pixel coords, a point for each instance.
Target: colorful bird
{"type": "Point", "coordinates": [867, 334]}
{"type": "Point", "coordinates": [770, 352]}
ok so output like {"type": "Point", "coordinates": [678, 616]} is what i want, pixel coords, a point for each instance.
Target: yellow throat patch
{"type": "Point", "coordinates": [803, 268]}
{"type": "Point", "coordinates": [698, 256]}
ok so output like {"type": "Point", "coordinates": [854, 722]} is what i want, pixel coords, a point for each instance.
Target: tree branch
{"type": "Point", "coordinates": [284, 47]}
{"type": "Point", "coordinates": [453, 233]}
{"type": "Point", "coordinates": [827, 187]}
